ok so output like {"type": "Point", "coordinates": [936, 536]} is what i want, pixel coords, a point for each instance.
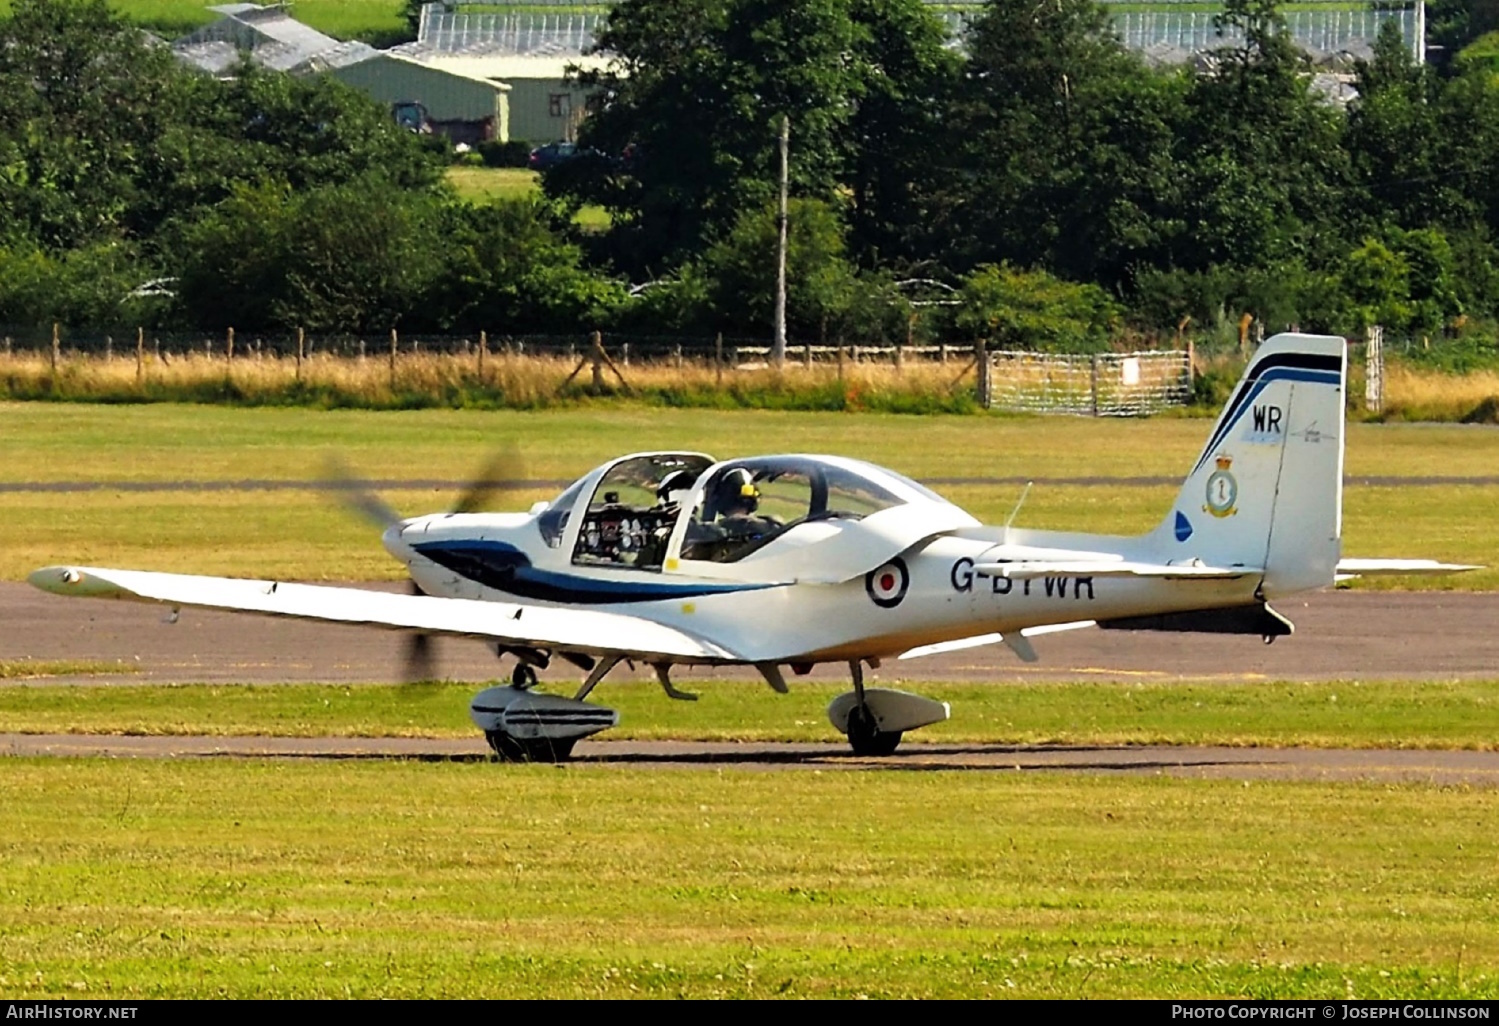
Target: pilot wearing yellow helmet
{"type": "Point", "coordinates": [729, 526]}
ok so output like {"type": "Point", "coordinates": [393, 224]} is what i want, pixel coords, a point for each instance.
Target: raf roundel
{"type": "Point", "coordinates": [887, 584]}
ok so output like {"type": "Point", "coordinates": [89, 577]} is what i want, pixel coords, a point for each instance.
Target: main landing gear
{"type": "Point", "coordinates": [524, 725]}
{"type": "Point", "coordinates": [875, 719]}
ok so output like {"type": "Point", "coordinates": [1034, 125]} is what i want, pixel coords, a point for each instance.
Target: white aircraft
{"type": "Point", "coordinates": [673, 559]}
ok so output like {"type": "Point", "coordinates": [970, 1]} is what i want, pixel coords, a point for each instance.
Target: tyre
{"type": "Point", "coordinates": [867, 739]}
{"type": "Point", "coordinates": [541, 749]}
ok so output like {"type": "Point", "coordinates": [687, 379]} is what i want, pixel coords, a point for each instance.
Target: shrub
{"type": "Point", "coordinates": [513, 153]}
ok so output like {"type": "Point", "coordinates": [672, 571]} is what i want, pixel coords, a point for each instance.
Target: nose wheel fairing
{"type": "Point", "coordinates": [522, 725]}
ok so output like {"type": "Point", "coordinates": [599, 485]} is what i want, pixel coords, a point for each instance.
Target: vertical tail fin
{"type": "Point", "coordinates": [1267, 490]}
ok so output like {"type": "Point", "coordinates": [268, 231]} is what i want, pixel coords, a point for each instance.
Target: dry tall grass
{"type": "Point", "coordinates": [1428, 395]}
{"type": "Point", "coordinates": [515, 381]}
{"type": "Point", "coordinates": [495, 379]}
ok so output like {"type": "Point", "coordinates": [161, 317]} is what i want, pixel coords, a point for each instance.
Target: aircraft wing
{"type": "Point", "coordinates": [574, 630]}
{"type": "Point", "coordinates": [1026, 569]}
{"type": "Point", "coordinates": [1348, 568]}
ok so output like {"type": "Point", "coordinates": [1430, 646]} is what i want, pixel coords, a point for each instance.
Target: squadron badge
{"type": "Point", "coordinates": [1222, 490]}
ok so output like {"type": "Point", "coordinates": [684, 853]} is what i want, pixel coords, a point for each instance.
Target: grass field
{"type": "Point", "coordinates": [1275, 714]}
{"type": "Point", "coordinates": [375, 20]}
{"type": "Point", "coordinates": [301, 534]}
{"type": "Point", "coordinates": [407, 879]}
{"type": "Point", "coordinates": [400, 879]}
{"type": "Point", "coordinates": [484, 184]}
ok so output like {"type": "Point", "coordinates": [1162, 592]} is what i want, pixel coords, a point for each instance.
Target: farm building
{"type": "Point", "coordinates": [268, 36]}
{"type": "Point", "coordinates": [461, 106]}
{"type": "Point", "coordinates": [543, 105]}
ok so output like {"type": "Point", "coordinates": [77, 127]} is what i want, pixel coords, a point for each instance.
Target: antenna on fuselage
{"type": "Point", "coordinates": [1016, 511]}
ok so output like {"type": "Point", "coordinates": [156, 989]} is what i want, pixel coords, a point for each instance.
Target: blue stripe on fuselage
{"type": "Point", "coordinates": [506, 568]}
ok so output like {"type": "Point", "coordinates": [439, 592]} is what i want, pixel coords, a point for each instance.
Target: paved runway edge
{"type": "Point", "coordinates": [1431, 766]}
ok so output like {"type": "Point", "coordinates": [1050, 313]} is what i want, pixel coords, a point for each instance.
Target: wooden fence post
{"type": "Point", "coordinates": [483, 349]}
{"type": "Point", "coordinates": [1374, 369]}
{"type": "Point", "coordinates": [807, 354]}
{"type": "Point", "coordinates": [394, 341]}
{"type": "Point", "coordinates": [229, 347]}
{"type": "Point", "coordinates": [718, 361]}
{"type": "Point", "coordinates": [56, 344]}
{"type": "Point", "coordinates": [1093, 382]}
{"type": "Point", "coordinates": [140, 353]}
{"type": "Point", "coordinates": [985, 384]}
{"type": "Point", "coordinates": [301, 352]}
{"type": "Point", "coordinates": [597, 354]}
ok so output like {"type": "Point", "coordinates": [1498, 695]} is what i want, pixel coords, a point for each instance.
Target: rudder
{"type": "Point", "coordinates": [1267, 489]}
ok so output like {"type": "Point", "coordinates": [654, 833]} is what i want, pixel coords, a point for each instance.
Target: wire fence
{"type": "Point", "coordinates": [1103, 384]}
{"type": "Point", "coordinates": [1116, 383]}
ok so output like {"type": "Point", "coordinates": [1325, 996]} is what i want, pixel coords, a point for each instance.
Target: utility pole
{"type": "Point", "coordinates": [778, 348]}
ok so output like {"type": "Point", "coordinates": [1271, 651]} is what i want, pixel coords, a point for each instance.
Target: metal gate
{"type": "Point", "coordinates": [1099, 385]}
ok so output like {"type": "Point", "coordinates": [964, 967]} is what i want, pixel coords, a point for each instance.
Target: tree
{"type": "Point", "coordinates": [86, 287]}
{"type": "Point", "coordinates": [1396, 143]}
{"type": "Point", "coordinates": [896, 177]}
{"type": "Point", "coordinates": [356, 257]}
{"type": "Point", "coordinates": [509, 269]}
{"type": "Point", "coordinates": [1264, 175]}
{"type": "Point", "coordinates": [688, 118]}
{"type": "Point", "coordinates": [266, 126]}
{"type": "Point", "coordinates": [1375, 279]}
{"type": "Point", "coordinates": [820, 280]}
{"type": "Point", "coordinates": [1017, 309]}
{"type": "Point", "coordinates": [1065, 143]}
{"type": "Point", "coordinates": [85, 100]}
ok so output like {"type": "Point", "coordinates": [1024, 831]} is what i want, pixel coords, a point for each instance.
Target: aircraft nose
{"type": "Point", "coordinates": [394, 543]}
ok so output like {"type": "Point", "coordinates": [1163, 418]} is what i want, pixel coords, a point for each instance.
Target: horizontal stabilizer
{"type": "Point", "coordinates": [1029, 569]}
{"type": "Point", "coordinates": [576, 630]}
{"type": "Point", "coordinates": [1388, 567]}
{"type": "Point", "coordinates": [1257, 619]}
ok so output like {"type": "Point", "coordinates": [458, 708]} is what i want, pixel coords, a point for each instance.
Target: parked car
{"type": "Point", "coordinates": [551, 155]}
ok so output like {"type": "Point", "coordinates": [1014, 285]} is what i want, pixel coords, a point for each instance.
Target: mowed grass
{"type": "Point", "coordinates": [492, 183]}
{"type": "Point", "coordinates": [342, 19]}
{"type": "Point", "coordinates": [486, 184]}
{"type": "Point", "coordinates": [34, 669]}
{"type": "Point", "coordinates": [301, 534]}
{"type": "Point", "coordinates": [1325, 714]}
{"type": "Point", "coordinates": [277, 878]}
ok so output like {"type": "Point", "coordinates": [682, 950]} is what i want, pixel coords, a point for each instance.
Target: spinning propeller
{"type": "Point", "coordinates": [502, 472]}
